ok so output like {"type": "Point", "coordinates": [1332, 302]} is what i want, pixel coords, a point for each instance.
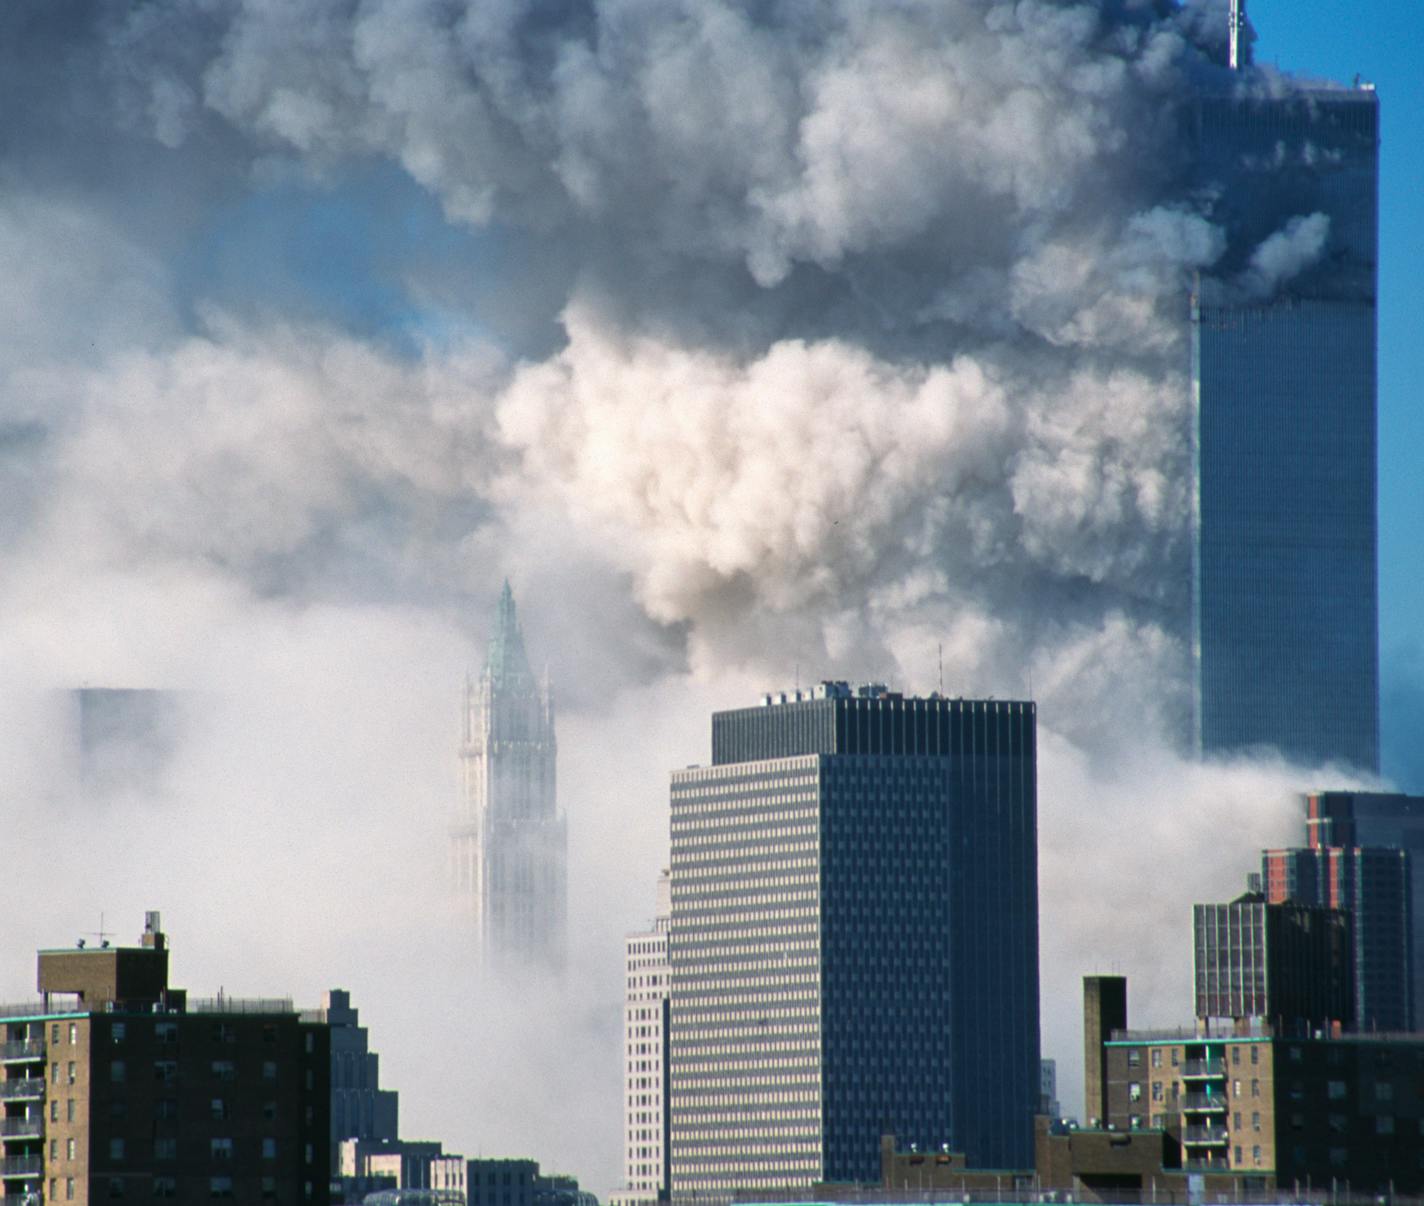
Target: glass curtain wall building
{"type": "Point", "coordinates": [1283, 376]}
{"type": "Point", "coordinates": [854, 940]}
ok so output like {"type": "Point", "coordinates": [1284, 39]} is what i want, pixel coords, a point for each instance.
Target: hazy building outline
{"type": "Point", "coordinates": [509, 842]}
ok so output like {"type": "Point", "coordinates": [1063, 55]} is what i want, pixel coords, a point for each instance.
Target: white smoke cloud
{"type": "Point", "coordinates": [869, 328]}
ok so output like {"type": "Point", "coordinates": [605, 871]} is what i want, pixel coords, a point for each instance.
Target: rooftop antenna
{"type": "Point", "coordinates": [101, 934]}
{"type": "Point", "coordinates": [941, 667]}
{"type": "Point", "coordinates": [1236, 28]}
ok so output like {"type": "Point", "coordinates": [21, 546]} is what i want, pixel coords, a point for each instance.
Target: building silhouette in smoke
{"type": "Point", "coordinates": [1284, 593]}
{"type": "Point", "coordinates": [509, 841]}
{"type": "Point", "coordinates": [854, 939]}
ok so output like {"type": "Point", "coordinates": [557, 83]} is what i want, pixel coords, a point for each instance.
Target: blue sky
{"type": "Point", "coordinates": [1384, 43]}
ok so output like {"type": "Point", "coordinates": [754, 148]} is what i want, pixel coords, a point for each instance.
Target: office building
{"type": "Point", "coordinates": [360, 1108]}
{"type": "Point", "coordinates": [1349, 819]}
{"type": "Point", "coordinates": [854, 939]}
{"type": "Point", "coordinates": [1289, 963]}
{"type": "Point", "coordinates": [645, 1058]}
{"type": "Point", "coordinates": [509, 840]}
{"type": "Point", "coordinates": [1371, 885]}
{"type": "Point", "coordinates": [117, 1086]}
{"type": "Point", "coordinates": [1283, 381]}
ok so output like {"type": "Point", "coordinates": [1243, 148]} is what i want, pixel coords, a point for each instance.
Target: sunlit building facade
{"type": "Point", "coordinates": [854, 940]}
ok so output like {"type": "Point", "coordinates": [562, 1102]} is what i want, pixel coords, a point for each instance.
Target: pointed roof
{"type": "Point", "coordinates": [506, 660]}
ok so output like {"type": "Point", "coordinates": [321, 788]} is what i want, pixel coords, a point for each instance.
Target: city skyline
{"type": "Point", "coordinates": [751, 351]}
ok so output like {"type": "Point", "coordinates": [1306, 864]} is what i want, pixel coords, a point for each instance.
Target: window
{"type": "Point", "coordinates": [1134, 1091]}
{"type": "Point", "coordinates": [1384, 1091]}
{"type": "Point", "coordinates": [68, 1189]}
{"type": "Point", "coordinates": [269, 1033]}
{"type": "Point", "coordinates": [1235, 1055]}
{"type": "Point", "coordinates": [1255, 1120]}
{"type": "Point", "coordinates": [1156, 1057]}
{"type": "Point", "coordinates": [116, 1149]}
{"type": "Point", "coordinates": [1335, 1090]}
{"type": "Point", "coordinates": [69, 1145]}
{"type": "Point", "coordinates": [307, 1153]}
{"type": "Point", "coordinates": [1174, 1057]}
{"type": "Point", "coordinates": [224, 1069]}
{"type": "Point", "coordinates": [165, 1148]}
{"type": "Point", "coordinates": [117, 1032]}
{"type": "Point", "coordinates": [224, 1033]}
{"type": "Point", "coordinates": [269, 1189]}
{"type": "Point", "coordinates": [219, 1108]}
{"type": "Point", "coordinates": [1236, 1121]}
{"type": "Point", "coordinates": [1337, 1123]}
{"type": "Point", "coordinates": [1256, 1153]}
{"type": "Point", "coordinates": [118, 1108]}
{"type": "Point", "coordinates": [1156, 1090]}
{"type": "Point", "coordinates": [1134, 1057]}
{"type": "Point", "coordinates": [70, 1071]}
{"type": "Point", "coordinates": [54, 1109]}
{"type": "Point", "coordinates": [1337, 1157]}
{"type": "Point", "coordinates": [73, 1032]}
{"type": "Point", "coordinates": [219, 1187]}
{"type": "Point", "coordinates": [165, 1071]}
{"type": "Point", "coordinates": [1294, 1054]}
{"type": "Point", "coordinates": [269, 1110]}
{"type": "Point", "coordinates": [1255, 1054]}
{"type": "Point", "coordinates": [1384, 1125]}
{"type": "Point", "coordinates": [165, 1109]}
{"type": "Point", "coordinates": [1239, 1159]}
{"type": "Point", "coordinates": [221, 1149]}
{"type": "Point", "coordinates": [1255, 1088]}
{"type": "Point", "coordinates": [54, 1073]}
{"type": "Point", "coordinates": [269, 1148]}
{"type": "Point", "coordinates": [117, 1072]}
{"type": "Point", "coordinates": [269, 1069]}
{"type": "Point", "coordinates": [165, 1187]}
{"type": "Point", "coordinates": [1236, 1088]}
{"type": "Point", "coordinates": [54, 1034]}
{"type": "Point", "coordinates": [54, 1149]}
{"type": "Point", "coordinates": [165, 1032]}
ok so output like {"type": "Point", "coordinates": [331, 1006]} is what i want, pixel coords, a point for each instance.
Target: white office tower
{"type": "Point", "coordinates": [645, 1065]}
{"type": "Point", "coordinates": [509, 840]}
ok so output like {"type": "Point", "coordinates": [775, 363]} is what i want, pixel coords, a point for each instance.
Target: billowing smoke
{"type": "Point", "coordinates": [751, 340]}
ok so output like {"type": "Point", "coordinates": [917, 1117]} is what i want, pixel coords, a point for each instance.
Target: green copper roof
{"type": "Point", "coordinates": [507, 662]}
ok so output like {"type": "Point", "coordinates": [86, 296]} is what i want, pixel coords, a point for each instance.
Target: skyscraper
{"type": "Point", "coordinates": [1283, 378]}
{"type": "Point", "coordinates": [1371, 884]}
{"type": "Point", "coordinates": [509, 840]}
{"type": "Point", "coordinates": [1389, 819]}
{"type": "Point", "coordinates": [645, 1062]}
{"type": "Point", "coordinates": [854, 940]}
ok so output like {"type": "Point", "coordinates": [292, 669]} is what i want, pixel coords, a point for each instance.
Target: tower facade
{"type": "Point", "coordinates": [854, 940]}
{"type": "Point", "coordinates": [645, 1059]}
{"type": "Point", "coordinates": [509, 841]}
{"type": "Point", "coordinates": [1283, 377]}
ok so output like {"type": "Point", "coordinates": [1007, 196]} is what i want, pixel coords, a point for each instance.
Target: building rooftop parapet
{"type": "Point", "coordinates": [222, 1004]}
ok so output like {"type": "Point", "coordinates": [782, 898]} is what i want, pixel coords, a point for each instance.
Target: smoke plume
{"type": "Point", "coordinates": [751, 340]}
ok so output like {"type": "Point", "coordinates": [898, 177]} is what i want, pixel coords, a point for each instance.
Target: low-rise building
{"type": "Point", "coordinates": [115, 1085]}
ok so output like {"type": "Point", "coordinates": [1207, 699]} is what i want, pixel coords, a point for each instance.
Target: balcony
{"type": "Point", "coordinates": [1197, 1069]}
{"type": "Point", "coordinates": [1210, 1164]}
{"type": "Point", "coordinates": [26, 1051]}
{"type": "Point", "coordinates": [21, 1128]}
{"type": "Point", "coordinates": [1196, 1103]}
{"type": "Point", "coordinates": [21, 1166]}
{"type": "Point", "coordinates": [1213, 1136]}
{"type": "Point", "coordinates": [28, 1088]}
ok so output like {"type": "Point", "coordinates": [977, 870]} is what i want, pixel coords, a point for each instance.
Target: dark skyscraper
{"type": "Point", "coordinates": [854, 939]}
{"type": "Point", "coordinates": [1372, 886]}
{"type": "Point", "coordinates": [509, 841]}
{"type": "Point", "coordinates": [1283, 375]}
{"type": "Point", "coordinates": [1361, 818]}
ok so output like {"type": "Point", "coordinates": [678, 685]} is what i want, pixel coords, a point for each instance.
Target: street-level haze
{"type": "Point", "coordinates": [751, 341]}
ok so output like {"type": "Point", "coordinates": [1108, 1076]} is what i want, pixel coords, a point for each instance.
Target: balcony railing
{"type": "Point", "coordinates": [21, 1166]}
{"type": "Point", "coordinates": [22, 1051]}
{"type": "Point", "coordinates": [29, 1088]}
{"type": "Point", "coordinates": [1203, 1067]}
{"type": "Point", "coordinates": [1204, 1134]}
{"type": "Point", "coordinates": [1195, 1102]}
{"type": "Point", "coordinates": [1216, 1165]}
{"type": "Point", "coordinates": [21, 1128]}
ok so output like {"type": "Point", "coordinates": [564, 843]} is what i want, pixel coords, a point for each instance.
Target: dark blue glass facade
{"type": "Point", "coordinates": [1285, 565]}
{"type": "Point", "coordinates": [854, 941]}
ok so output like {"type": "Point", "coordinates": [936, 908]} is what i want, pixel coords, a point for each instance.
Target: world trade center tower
{"type": "Point", "coordinates": [1285, 612]}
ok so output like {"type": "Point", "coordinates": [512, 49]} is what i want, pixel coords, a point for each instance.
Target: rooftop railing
{"type": "Point", "coordinates": [241, 1005]}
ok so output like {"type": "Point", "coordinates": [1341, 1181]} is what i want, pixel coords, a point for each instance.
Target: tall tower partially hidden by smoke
{"type": "Point", "coordinates": [1283, 375]}
{"type": "Point", "coordinates": [509, 841]}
